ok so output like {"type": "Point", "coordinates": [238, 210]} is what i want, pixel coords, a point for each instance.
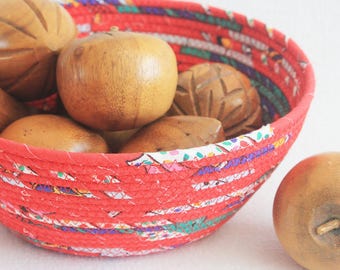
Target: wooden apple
{"type": "Point", "coordinates": [117, 80]}
{"type": "Point", "coordinates": [54, 132]}
{"type": "Point", "coordinates": [306, 212]}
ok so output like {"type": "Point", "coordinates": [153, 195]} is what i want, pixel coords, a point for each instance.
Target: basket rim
{"type": "Point", "coordinates": [299, 110]}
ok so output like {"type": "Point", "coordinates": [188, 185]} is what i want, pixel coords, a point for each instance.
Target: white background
{"type": "Point", "coordinates": [248, 240]}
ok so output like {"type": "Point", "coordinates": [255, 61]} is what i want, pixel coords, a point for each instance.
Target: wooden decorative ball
{"type": "Point", "coordinates": [219, 91]}
{"type": "Point", "coordinates": [32, 32]}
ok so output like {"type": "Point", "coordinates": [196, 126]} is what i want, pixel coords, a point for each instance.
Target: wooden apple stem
{"type": "Point", "coordinates": [330, 225]}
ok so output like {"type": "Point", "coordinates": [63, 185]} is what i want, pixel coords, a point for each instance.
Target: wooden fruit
{"type": "Point", "coordinates": [10, 109]}
{"type": "Point", "coordinates": [117, 80]}
{"type": "Point", "coordinates": [54, 132]}
{"type": "Point", "coordinates": [306, 212]}
{"type": "Point", "coordinates": [220, 91]}
{"type": "Point", "coordinates": [32, 33]}
{"type": "Point", "coordinates": [174, 132]}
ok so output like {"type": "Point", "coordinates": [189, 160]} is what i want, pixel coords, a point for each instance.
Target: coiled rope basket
{"type": "Point", "coordinates": [139, 203]}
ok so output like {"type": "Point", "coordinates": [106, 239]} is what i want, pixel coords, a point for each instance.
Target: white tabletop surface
{"type": "Point", "coordinates": [248, 240]}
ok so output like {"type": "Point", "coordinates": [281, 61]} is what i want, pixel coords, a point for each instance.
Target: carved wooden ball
{"type": "Point", "coordinates": [219, 91]}
{"type": "Point", "coordinates": [32, 32]}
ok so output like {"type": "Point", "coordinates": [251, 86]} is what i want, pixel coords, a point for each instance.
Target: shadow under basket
{"type": "Point", "coordinates": [139, 203]}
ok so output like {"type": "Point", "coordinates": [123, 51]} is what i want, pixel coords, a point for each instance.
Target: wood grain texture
{"type": "Point", "coordinates": [174, 132]}
{"type": "Point", "coordinates": [117, 81]}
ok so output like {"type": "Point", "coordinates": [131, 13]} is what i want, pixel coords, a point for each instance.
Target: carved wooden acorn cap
{"type": "Point", "coordinates": [32, 33]}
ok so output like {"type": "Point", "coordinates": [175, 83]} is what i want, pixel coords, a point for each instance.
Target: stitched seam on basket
{"type": "Point", "coordinates": [241, 196]}
{"type": "Point", "coordinates": [244, 157]}
{"type": "Point", "coordinates": [83, 202]}
{"type": "Point", "coordinates": [109, 228]}
{"type": "Point", "coordinates": [300, 70]}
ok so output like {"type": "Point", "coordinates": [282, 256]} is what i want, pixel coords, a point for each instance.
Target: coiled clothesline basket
{"type": "Point", "coordinates": [139, 203]}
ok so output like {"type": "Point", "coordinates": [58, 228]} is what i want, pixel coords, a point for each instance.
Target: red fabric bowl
{"type": "Point", "coordinates": [139, 203]}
